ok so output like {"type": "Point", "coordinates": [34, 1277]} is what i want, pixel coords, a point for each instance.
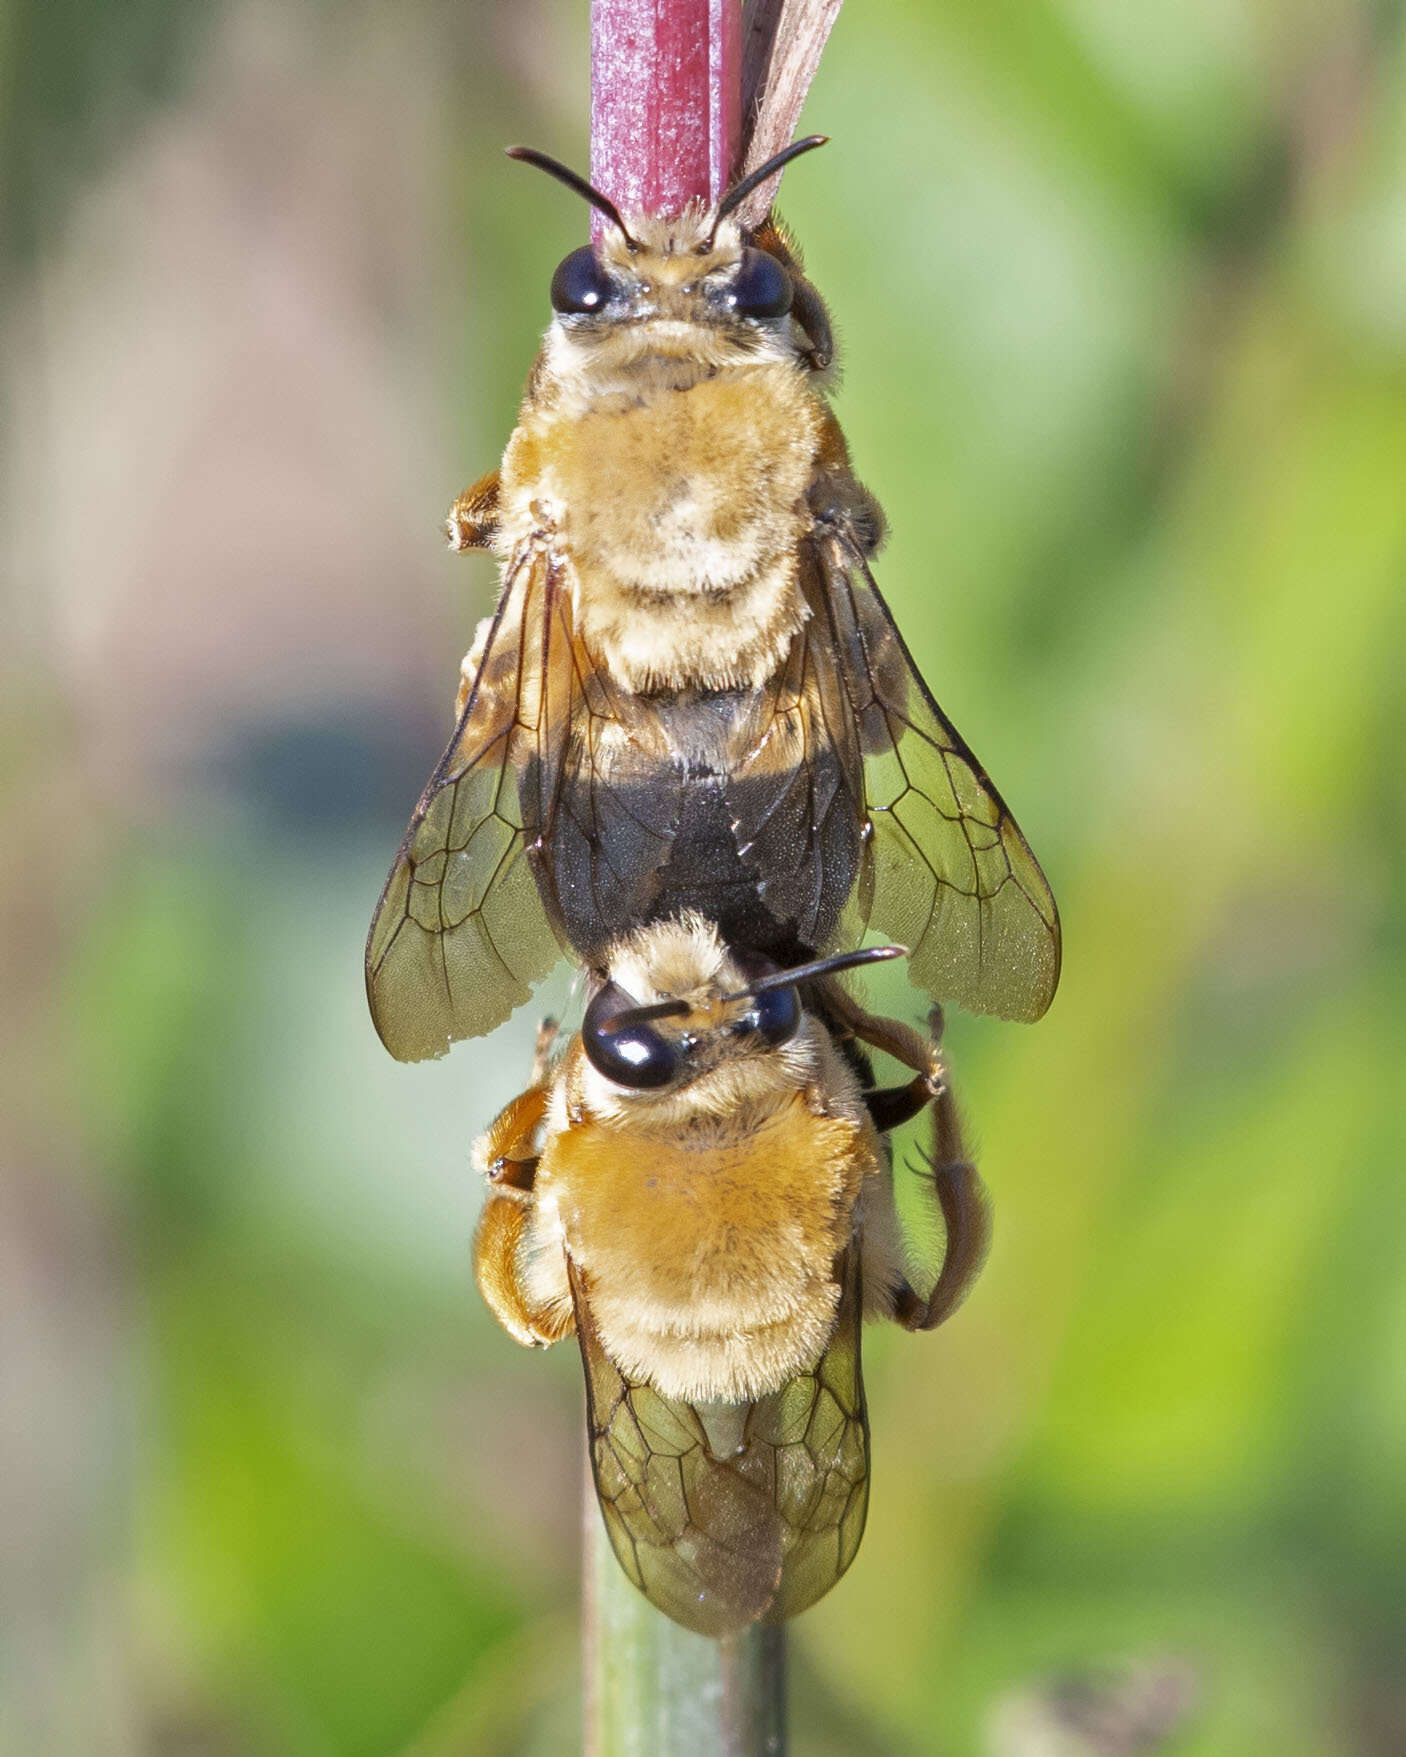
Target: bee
{"type": "Point", "coordinates": [691, 696]}
{"type": "Point", "coordinates": [699, 1188]}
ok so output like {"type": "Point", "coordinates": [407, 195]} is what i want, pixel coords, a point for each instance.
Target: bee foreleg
{"type": "Point", "coordinates": [498, 1266]}
{"type": "Point", "coordinates": [503, 1153]}
{"type": "Point", "coordinates": [473, 518]}
{"type": "Point", "coordinates": [530, 1307]}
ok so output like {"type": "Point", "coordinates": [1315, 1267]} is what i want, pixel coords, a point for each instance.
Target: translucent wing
{"type": "Point", "coordinates": [942, 866]}
{"type": "Point", "coordinates": [796, 791]}
{"type": "Point", "coordinates": [461, 933]}
{"type": "Point", "coordinates": [550, 818]}
{"type": "Point", "coordinates": [729, 1514]}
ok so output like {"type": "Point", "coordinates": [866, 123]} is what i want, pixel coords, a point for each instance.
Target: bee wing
{"type": "Point", "coordinates": [729, 1514]}
{"type": "Point", "coordinates": [942, 866]}
{"type": "Point", "coordinates": [461, 932]}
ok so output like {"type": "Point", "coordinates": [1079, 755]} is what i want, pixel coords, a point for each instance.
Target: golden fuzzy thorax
{"type": "Point", "coordinates": [666, 460]}
{"type": "Point", "coordinates": [704, 1223]}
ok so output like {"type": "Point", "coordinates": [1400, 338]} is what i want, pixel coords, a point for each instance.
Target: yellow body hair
{"type": "Point", "coordinates": [689, 1241]}
{"type": "Point", "coordinates": [666, 460]}
{"type": "Point", "coordinates": [677, 517]}
{"type": "Point", "coordinates": [704, 1222]}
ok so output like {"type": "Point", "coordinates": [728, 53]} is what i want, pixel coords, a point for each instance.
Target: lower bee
{"type": "Point", "coordinates": [697, 1185]}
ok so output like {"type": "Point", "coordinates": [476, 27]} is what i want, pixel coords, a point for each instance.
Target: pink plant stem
{"type": "Point", "coordinates": [666, 85]}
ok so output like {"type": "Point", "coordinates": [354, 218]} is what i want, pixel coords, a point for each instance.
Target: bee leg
{"type": "Point", "coordinates": [499, 1152]}
{"type": "Point", "coordinates": [547, 1033]}
{"type": "Point", "coordinates": [807, 307]}
{"type": "Point", "coordinates": [503, 1153]}
{"type": "Point", "coordinates": [965, 1214]}
{"type": "Point", "coordinates": [967, 1217]}
{"type": "Point", "coordinates": [498, 1268]}
{"type": "Point", "coordinates": [473, 518]}
{"type": "Point", "coordinates": [470, 665]}
{"type": "Point", "coordinates": [890, 1107]}
{"type": "Point", "coordinates": [905, 1044]}
{"type": "Point", "coordinates": [836, 497]}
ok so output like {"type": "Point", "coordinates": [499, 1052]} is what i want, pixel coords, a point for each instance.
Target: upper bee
{"type": "Point", "coordinates": [691, 694]}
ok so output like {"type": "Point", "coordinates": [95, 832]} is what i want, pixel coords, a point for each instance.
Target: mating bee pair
{"type": "Point", "coordinates": [693, 748]}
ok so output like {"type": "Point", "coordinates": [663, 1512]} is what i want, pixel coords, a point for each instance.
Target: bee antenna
{"type": "Point", "coordinates": [678, 1009]}
{"type": "Point", "coordinates": [740, 191]}
{"type": "Point", "coordinates": [675, 1009]}
{"type": "Point", "coordinates": [529, 155]}
{"type": "Point", "coordinates": [821, 967]}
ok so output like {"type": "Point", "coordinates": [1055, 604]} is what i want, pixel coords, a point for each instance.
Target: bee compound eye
{"type": "Point", "coordinates": [580, 286]}
{"type": "Point", "coordinates": [762, 287]}
{"type": "Point", "coordinates": [631, 1054]}
{"type": "Point", "coordinates": [775, 1015]}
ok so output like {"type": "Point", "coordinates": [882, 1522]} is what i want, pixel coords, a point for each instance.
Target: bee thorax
{"type": "Point", "coordinates": [679, 513]}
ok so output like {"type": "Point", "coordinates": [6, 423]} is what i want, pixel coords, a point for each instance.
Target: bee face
{"type": "Point", "coordinates": [646, 1055]}
{"type": "Point", "coordinates": [668, 1030]}
{"type": "Point", "coordinates": [666, 289]}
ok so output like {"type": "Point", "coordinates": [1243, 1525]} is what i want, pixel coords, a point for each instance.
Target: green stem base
{"type": "Point", "coordinates": [654, 1689]}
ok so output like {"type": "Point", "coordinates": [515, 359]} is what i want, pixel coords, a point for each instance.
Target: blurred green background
{"type": "Point", "coordinates": [1122, 295]}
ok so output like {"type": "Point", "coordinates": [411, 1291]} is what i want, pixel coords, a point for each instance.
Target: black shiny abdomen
{"type": "Point", "coordinates": [770, 859]}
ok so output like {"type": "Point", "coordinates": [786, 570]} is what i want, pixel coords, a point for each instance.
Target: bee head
{"type": "Point", "coordinates": [709, 1009]}
{"type": "Point", "coordinates": [697, 282]}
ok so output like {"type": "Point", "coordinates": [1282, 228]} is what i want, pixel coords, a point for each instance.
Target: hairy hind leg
{"type": "Point", "coordinates": [965, 1214]}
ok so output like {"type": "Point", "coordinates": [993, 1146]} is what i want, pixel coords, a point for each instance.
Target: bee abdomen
{"type": "Point", "coordinates": [634, 841]}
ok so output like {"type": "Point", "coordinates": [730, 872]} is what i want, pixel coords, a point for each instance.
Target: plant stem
{"type": "Point", "coordinates": [666, 88]}
{"type": "Point", "coordinates": [654, 1689]}
{"type": "Point", "coordinates": [666, 98]}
